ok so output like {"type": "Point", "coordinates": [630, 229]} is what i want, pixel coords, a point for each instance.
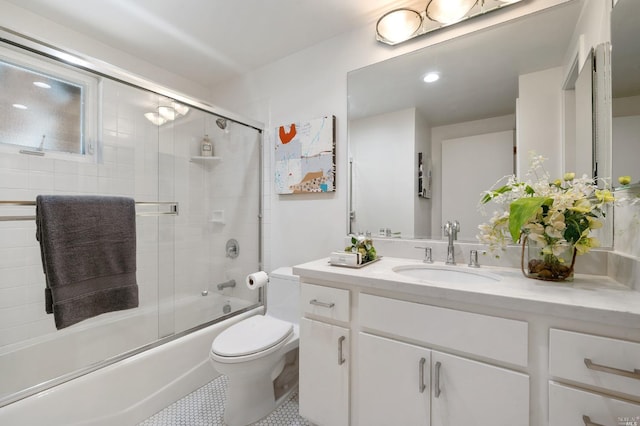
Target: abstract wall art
{"type": "Point", "coordinates": [305, 156]}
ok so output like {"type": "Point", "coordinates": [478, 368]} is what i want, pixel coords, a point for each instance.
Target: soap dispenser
{"type": "Point", "coordinates": [206, 147]}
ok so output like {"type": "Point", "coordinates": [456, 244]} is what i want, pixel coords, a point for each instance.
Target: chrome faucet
{"type": "Point", "coordinates": [451, 230]}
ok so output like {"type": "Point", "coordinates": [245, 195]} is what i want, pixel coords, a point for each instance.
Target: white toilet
{"type": "Point", "coordinates": [259, 354]}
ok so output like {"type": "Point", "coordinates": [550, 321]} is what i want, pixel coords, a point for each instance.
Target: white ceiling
{"type": "Point", "coordinates": [209, 41]}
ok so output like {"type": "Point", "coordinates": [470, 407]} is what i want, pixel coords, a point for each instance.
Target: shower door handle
{"type": "Point", "coordinates": [341, 359]}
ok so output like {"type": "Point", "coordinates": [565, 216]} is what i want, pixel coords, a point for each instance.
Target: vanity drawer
{"type": "Point", "coordinates": [325, 302]}
{"type": "Point", "coordinates": [573, 407]}
{"type": "Point", "coordinates": [492, 337]}
{"type": "Point", "coordinates": [613, 361]}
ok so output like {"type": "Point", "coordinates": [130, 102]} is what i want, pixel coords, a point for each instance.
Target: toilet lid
{"type": "Point", "coordinates": [252, 335]}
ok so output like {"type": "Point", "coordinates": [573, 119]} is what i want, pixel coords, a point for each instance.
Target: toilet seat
{"type": "Point", "coordinates": [251, 338]}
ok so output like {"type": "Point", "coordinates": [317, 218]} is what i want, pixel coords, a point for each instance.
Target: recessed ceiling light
{"type": "Point", "coordinates": [42, 84]}
{"type": "Point", "coordinates": [431, 77]}
{"type": "Point", "coordinates": [19, 106]}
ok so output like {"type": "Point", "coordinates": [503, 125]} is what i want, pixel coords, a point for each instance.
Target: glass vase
{"type": "Point", "coordinates": [547, 267]}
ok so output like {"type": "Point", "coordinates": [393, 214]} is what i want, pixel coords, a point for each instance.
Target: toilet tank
{"type": "Point", "coordinates": [283, 295]}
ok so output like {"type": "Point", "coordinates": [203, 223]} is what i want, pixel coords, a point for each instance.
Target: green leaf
{"type": "Point", "coordinates": [488, 197]}
{"type": "Point", "coordinates": [521, 211]}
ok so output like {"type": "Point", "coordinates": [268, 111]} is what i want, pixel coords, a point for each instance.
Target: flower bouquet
{"type": "Point", "coordinates": [364, 246]}
{"type": "Point", "coordinates": [554, 219]}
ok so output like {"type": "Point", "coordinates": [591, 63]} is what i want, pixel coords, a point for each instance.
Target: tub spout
{"type": "Point", "coordinates": [230, 283]}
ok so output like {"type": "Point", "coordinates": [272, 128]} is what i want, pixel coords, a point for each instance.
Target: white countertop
{"type": "Point", "coordinates": [592, 298]}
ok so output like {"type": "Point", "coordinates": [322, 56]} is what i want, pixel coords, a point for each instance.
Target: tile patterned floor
{"type": "Point", "coordinates": [205, 407]}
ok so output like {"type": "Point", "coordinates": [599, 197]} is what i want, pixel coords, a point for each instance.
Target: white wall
{"type": "Point", "coordinates": [313, 83]}
{"type": "Point", "coordinates": [540, 126]}
{"type": "Point", "coordinates": [422, 206]}
{"type": "Point", "coordinates": [459, 130]}
{"type": "Point", "coordinates": [384, 148]}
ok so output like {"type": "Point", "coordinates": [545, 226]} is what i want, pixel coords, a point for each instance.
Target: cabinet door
{"type": "Point", "coordinates": [393, 382]}
{"type": "Point", "coordinates": [324, 373]}
{"type": "Point", "coordinates": [472, 393]}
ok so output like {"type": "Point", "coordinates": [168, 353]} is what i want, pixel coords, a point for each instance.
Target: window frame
{"type": "Point", "coordinates": [91, 86]}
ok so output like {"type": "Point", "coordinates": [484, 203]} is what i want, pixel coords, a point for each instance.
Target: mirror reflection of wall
{"type": "Point", "coordinates": [385, 148]}
{"type": "Point", "coordinates": [625, 70]}
{"type": "Point", "coordinates": [489, 81]}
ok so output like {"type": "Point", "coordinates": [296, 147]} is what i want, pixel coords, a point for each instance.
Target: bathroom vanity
{"type": "Point", "coordinates": [400, 342]}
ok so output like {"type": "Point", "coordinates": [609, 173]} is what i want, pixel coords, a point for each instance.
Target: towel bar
{"type": "Point", "coordinates": [173, 209]}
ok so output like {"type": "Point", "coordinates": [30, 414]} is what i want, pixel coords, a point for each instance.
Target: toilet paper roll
{"type": "Point", "coordinates": [257, 280]}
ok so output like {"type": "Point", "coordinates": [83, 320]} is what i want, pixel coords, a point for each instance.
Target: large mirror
{"type": "Point", "coordinates": [625, 72]}
{"type": "Point", "coordinates": [421, 153]}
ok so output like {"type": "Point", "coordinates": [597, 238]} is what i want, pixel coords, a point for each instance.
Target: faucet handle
{"type": "Point", "coordinates": [428, 258]}
{"type": "Point", "coordinates": [473, 259]}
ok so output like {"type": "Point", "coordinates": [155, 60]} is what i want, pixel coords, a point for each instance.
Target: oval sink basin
{"type": "Point", "coordinates": [446, 274]}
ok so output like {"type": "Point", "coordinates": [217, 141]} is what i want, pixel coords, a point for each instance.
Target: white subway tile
{"type": "Point", "coordinates": [12, 297]}
{"type": "Point", "coordinates": [66, 167]}
{"type": "Point", "coordinates": [42, 181]}
{"type": "Point", "coordinates": [15, 237]}
{"type": "Point", "coordinates": [13, 257]}
{"type": "Point", "coordinates": [109, 154]}
{"type": "Point", "coordinates": [41, 164]}
{"type": "Point", "coordinates": [14, 277]}
{"type": "Point", "coordinates": [14, 161]}
{"type": "Point", "coordinates": [66, 183]}
{"type": "Point", "coordinates": [14, 179]}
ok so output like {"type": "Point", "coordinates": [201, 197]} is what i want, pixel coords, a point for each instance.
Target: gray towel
{"type": "Point", "coordinates": [88, 248]}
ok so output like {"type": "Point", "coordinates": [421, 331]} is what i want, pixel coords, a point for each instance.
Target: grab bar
{"type": "Point", "coordinates": [173, 209]}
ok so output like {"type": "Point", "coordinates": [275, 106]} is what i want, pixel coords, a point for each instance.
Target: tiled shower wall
{"type": "Point", "coordinates": [177, 256]}
{"type": "Point", "coordinates": [127, 166]}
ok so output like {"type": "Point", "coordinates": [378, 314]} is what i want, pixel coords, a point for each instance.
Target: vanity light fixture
{"type": "Point", "coordinates": [167, 113]}
{"type": "Point", "coordinates": [155, 118]}
{"type": "Point", "coordinates": [19, 106]}
{"type": "Point", "coordinates": [400, 25]}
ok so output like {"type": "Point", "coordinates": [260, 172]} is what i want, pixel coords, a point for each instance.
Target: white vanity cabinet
{"type": "Point", "coordinates": [402, 383]}
{"type": "Point", "coordinates": [610, 368]}
{"type": "Point", "coordinates": [394, 382]}
{"type": "Point", "coordinates": [514, 352]}
{"type": "Point", "coordinates": [324, 355]}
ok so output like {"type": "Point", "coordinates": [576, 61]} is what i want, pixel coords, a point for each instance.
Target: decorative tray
{"type": "Point", "coordinates": [344, 265]}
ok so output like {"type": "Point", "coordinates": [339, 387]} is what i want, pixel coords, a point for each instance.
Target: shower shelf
{"type": "Point", "coordinates": [199, 159]}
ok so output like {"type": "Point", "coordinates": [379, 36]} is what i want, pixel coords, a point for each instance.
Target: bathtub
{"type": "Point", "coordinates": [127, 391]}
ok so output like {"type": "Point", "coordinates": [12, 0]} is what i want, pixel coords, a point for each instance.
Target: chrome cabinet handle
{"type": "Point", "coordinates": [635, 374]}
{"type": "Point", "coordinates": [421, 384]}
{"type": "Point", "coordinates": [587, 422]}
{"type": "Point", "coordinates": [341, 360]}
{"type": "Point", "coordinates": [323, 304]}
{"type": "Point", "coordinates": [436, 384]}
